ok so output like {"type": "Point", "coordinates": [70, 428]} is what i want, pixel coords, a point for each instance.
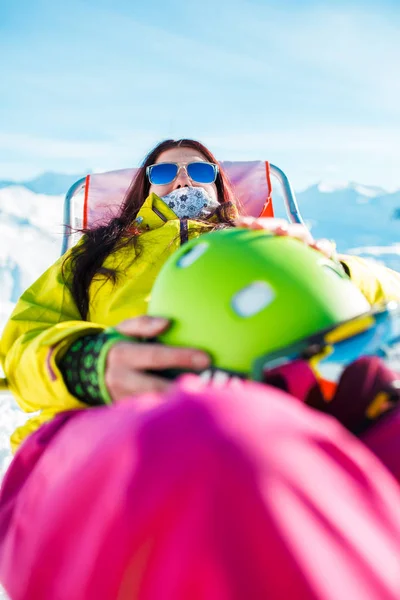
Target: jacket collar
{"type": "Point", "coordinates": [153, 213]}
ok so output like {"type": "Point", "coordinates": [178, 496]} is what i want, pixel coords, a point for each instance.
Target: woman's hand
{"type": "Point", "coordinates": [294, 230]}
{"type": "Point", "coordinates": [127, 362]}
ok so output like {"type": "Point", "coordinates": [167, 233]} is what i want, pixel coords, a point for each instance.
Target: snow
{"type": "Point", "coordinates": [30, 240]}
{"type": "Point", "coordinates": [364, 220]}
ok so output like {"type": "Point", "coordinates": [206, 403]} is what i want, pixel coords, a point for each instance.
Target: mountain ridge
{"type": "Point", "coordinates": [49, 183]}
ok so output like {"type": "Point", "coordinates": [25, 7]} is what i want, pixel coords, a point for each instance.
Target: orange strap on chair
{"type": "Point", "coordinates": [268, 209]}
{"type": "Point", "coordinates": [86, 202]}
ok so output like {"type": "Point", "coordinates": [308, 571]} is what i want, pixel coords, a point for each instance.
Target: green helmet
{"type": "Point", "coordinates": [241, 294]}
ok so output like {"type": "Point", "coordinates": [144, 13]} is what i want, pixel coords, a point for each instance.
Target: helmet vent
{"type": "Point", "coordinates": [192, 255]}
{"type": "Point", "coordinates": [252, 299]}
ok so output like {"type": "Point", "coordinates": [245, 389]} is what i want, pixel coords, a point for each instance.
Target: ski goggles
{"type": "Point", "coordinates": [198, 172]}
{"type": "Point", "coordinates": [329, 352]}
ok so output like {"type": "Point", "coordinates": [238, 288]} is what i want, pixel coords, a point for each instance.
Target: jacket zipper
{"type": "Point", "coordinates": [183, 226]}
{"type": "Point", "coordinates": [159, 214]}
{"type": "Point", "coordinates": [184, 231]}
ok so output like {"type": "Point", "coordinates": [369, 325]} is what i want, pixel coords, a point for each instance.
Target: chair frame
{"type": "Point", "coordinates": [289, 199]}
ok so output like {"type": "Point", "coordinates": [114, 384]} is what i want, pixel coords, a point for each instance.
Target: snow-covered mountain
{"type": "Point", "coordinates": [51, 184]}
{"type": "Point", "coordinates": [363, 220]}
{"type": "Point", "coordinates": [30, 240]}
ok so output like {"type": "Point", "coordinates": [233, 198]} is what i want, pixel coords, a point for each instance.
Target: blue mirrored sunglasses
{"type": "Point", "coordinates": [199, 172]}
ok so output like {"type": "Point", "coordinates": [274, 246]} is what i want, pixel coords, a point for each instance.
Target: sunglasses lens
{"type": "Point", "coordinates": [163, 173]}
{"type": "Point", "coordinates": [202, 172]}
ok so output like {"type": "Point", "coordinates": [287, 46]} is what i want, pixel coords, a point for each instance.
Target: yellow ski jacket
{"type": "Point", "coordinates": [46, 319]}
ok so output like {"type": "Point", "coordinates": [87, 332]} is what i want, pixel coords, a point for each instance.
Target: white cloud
{"type": "Point", "coordinates": [315, 138]}
{"type": "Point", "coordinates": [368, 155]}
{"type": "Point", "coordinates": [50, 148]}
{"type": "Point", "coordinates": [41, 148]}
{"type": "Point", "coordinates": [317, 82]}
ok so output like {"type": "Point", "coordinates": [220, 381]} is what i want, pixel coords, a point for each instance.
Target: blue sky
{"type": "Point", "coordinates": [313, 86]}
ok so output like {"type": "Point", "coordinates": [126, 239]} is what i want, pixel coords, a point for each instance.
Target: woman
{"type": "Point", "coordinates": [93, 503]}
{"type": "Point", "coordinates": [106, 281]}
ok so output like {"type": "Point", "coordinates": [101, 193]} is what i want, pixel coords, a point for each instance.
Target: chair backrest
{"type": "Point", "coordinates": [95, 199]}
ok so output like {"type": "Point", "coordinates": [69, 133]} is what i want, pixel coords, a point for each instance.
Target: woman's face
{"type": "Point", "coordinates": [182, 156]}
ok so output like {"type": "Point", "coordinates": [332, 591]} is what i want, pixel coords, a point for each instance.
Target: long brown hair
{"type": "Point", "coordinates": [87, 258]}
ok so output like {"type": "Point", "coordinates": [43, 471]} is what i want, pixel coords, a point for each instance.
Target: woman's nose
{"type": "Point", "coordinates": [183, 179]}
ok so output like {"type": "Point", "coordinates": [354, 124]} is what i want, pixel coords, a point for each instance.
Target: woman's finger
{"type": "Point", "coordinates": [327, 247]}
{"type": "Point", "coordinates": [143, 326]}
{"type": "Point", "coordinates": [269, 224]}
{"type": "Point", "coordinates": [278, 227]}
{"type": "Point", "coordinates": [122, 384]}
{"type": "Point", "coordinates": [144, 356]}
{"type": "Point", "coordinates": [300, 232]}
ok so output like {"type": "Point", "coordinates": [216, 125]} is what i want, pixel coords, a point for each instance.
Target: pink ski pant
{"type": "Point", "coordinates": [207, 493]}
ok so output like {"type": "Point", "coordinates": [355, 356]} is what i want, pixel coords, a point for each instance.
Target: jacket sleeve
{"type": "Point", "coordinates": [379, 284]}
{"type": "Point", "coordinates": [43, 324]}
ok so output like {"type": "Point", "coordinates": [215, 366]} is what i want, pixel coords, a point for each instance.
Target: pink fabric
{"type": "Point", "coordinates": [384, 441]}
{"type": "Point", "coordinates": [106, 191]}
{"type": "Point", "coordinates": [297, 376]}
{"type": "Point", "coordinates": [211, 493]}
